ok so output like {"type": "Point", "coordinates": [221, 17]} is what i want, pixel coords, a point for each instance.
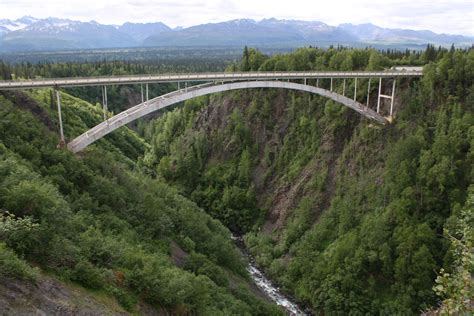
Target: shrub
{"type": "Point", "coordinates": [12, 266]}
{"type": "Point", "coordinates": [88, 275]}
{"type": "Point", "coordinates": [125, 299]}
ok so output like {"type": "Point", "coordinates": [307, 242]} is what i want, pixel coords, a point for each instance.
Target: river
{"type": "Point", "coordinates": [265, 285]}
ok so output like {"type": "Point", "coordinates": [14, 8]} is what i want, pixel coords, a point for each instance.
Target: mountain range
{"type": "Point", "coordinates": [33, 34]}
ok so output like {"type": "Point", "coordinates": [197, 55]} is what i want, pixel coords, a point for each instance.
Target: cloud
{"type": "Point", "coordinates": [441, 16]}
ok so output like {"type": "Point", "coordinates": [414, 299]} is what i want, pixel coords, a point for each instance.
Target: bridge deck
{"type": "Point", "coordinates": [217, 76]}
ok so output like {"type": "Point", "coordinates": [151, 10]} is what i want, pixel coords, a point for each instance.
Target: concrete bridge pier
{"type": "Point", "coordinates": [368, 93]}
{"type": "Point", "coordinates": [380, 92]}
{"type": "Point", "coordinates": [355, 88]}
{"type": "Point", "coordinates": [104, 102]}
{"type": "Point", "coordinates": [391, 97]}
{"type": "Point", "coordinates": [62, 142]}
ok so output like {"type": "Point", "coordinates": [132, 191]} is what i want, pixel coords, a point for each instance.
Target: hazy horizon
{"type": "Point", "coordinates": [449, 17]}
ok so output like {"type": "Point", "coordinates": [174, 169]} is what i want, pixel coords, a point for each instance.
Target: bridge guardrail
{"type": "Point", "coordinates": [137, 79]}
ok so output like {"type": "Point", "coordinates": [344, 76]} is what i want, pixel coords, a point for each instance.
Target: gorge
{"type": "Point", "coordinates": [345, 215]}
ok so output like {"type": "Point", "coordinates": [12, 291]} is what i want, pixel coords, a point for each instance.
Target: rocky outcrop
{"type": "Point", "coordinates": [48, 296]}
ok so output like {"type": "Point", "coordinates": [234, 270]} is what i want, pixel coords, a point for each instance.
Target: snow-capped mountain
{"type": "Point", "coordinates": [250, 32]}
{"type": "Point", "coordinates": [293, 33]}
{"type": "Point", "coordinates": [52, 26]}
{"type": "Point", "coordinates": [29, 33]}
{"type": "Point", "coordinates": [54, 33]}
{"type": "Point", "coordinates": [18, 24]}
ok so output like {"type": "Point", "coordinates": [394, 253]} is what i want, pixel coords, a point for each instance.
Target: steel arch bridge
{"type": "Point", "coordinates": [216, 82]}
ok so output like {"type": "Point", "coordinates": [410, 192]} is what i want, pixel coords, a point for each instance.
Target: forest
{"type": "Point", "coordinates": [346, 216]}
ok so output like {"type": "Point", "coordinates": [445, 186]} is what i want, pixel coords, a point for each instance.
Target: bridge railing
{"type": "Point", "coordinates": [180, 77]}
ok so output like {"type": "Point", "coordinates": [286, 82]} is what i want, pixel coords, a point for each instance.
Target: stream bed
{"type": "Point", "coordinates": [265, 285]}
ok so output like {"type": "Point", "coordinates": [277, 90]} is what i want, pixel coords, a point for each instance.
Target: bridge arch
{"type": "Point", "coordinates": [161, 102]}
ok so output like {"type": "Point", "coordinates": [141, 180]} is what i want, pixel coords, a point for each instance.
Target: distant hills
{"type": "Point", "coordinates": [268, 32]}
{"type": "Point", "coordinates": [32, 34]}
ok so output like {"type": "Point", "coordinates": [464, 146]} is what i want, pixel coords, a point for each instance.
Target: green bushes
{"type": "Point", "coordinates": [180, 155]}
{"type": "Point", "coordinates": [13, 267]}
{"type": "Point", "coordinates": [199, 264]}
{"type": "Point", "coordinates": [97, 221]}
{"type": "Point", "coordinates": [454, 285]}
{"type": "Point", "coordinates": [87, 275]}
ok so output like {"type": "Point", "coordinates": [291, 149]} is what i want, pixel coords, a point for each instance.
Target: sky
{"type": "Point", "coordinates": [440, 16]}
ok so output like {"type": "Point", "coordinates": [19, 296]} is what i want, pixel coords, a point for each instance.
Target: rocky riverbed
{"type": "Point", "coordinates": [265, 285]}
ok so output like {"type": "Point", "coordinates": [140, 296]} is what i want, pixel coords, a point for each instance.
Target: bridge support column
{"type": "Point", "coordinates": [146, 88]}
{"type": "Point", "coordinates": [344, 88]}
{"type": "Point", "coordinates": [380, 91]}
{"type": "Point", "coordinates": [393, 97]}
{"type": "Point", "coordinates": [317, 83]}
{"type": "Point", "coordinates": [305, 81]}
{"type": "Point", "coordinates": [355, 89]}
{"type": "Point", "coordinates": [103, 97]}
{"type": "Point", "coordinates": [186, 86]}
{"type": "Point", "coordinates": [368, 93]}
{"type": "Point", "coordinates": [141, 89]}
{"type": "Point", "coordinates": [61, 132]}
{"type": "Point", "coordinates": [104, 102]}
{"type": "Point", "coordinates": [331, 85]}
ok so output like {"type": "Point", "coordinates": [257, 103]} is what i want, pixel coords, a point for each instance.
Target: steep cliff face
{"type": "Point", "coordinates": [47, 296]}
{"type": "Point", "coordinates": [278, 192]}
{"type": "Point", "coordinates": [345, 214]}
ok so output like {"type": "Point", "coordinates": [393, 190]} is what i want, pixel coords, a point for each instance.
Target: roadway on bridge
{"type": "Point", "coordinates": [201, 77]}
